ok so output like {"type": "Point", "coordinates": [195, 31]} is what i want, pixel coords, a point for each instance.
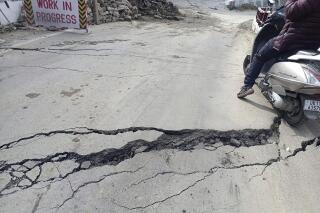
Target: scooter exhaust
{"type": "Point", "coordinates": [278, 102]}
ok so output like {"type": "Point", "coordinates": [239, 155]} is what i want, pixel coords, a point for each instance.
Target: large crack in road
{"type": "Point", "coordinates": [183, 140]}
{"type": "Point", "coordinates": [247, 137]}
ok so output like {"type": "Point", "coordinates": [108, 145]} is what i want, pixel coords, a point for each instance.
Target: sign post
{"type": "Point", "coordinates": [57, 13]}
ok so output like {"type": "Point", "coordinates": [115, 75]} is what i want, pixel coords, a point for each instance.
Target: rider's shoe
{"type": "Point", "coordinates": [245, 91]}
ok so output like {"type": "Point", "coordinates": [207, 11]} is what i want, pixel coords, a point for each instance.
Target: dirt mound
{"type": "Point", "coordinates": [156, 8]}
{"type": "Point", "coordinates": [126, 10]}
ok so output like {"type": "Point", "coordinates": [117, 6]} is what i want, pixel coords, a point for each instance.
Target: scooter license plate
{"type": "Point", "coordinates": [312, 105]}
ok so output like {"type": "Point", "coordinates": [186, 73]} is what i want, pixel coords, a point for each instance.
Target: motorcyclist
{"type": "Point", "coordinates": [301, 31]}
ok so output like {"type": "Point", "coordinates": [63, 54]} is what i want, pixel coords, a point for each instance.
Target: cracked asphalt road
{"type": "Point", "coordinates": [142, 117]}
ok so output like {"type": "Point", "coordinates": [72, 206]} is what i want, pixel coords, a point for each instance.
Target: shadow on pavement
{"type": "Point", "coordinates": [260, 106]}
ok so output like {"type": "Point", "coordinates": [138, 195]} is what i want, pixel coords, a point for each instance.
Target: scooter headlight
{"type": "Point", "coordinates": [312, 74]}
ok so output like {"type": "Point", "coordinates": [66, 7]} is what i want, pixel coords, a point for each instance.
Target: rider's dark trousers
{"type": "Point", "coordinates": [266, 53]}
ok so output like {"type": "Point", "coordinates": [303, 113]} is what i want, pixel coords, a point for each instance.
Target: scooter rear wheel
{"type": "Point", "coordinates": [294, 118]}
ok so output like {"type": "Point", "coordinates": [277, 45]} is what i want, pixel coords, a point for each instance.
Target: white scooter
{"type": "Point", "coordinates": [291, 83]}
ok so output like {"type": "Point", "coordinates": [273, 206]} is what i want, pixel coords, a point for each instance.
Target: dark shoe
{"type": "Point", "coordinates": [245, 91]}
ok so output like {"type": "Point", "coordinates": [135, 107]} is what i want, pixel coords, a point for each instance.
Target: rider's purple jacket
{"type": "Point", "coordinates": [302, 28]}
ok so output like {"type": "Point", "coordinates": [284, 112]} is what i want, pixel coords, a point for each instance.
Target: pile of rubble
{"type": "Point", "coordinates": [161, 9]}
{"type": "Point", "coordinates": [126, 10]}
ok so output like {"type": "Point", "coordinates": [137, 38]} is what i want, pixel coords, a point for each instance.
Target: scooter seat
{"type": "Point", "coordinates": [307, 53]}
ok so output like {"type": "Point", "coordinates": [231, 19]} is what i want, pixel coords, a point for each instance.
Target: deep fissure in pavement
{"type": "Point", "coordinates": [184, 140]}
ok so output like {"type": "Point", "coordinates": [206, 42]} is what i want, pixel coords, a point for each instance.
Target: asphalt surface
{"type": "Point", "coordinates": [142, 116]}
